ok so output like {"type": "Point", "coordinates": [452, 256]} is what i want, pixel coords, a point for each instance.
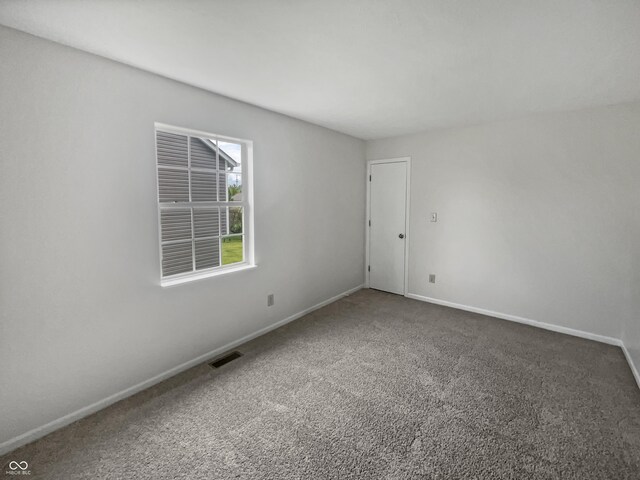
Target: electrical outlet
{"type": "Point", "coordinates": [432, 278]}
{"type": "Point", "coordinates": [434, 217]}
{"type": "Point", "coordinates": [270, 300]}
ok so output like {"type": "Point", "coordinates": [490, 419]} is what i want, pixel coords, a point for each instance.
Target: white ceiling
{"type": "Point", "coordinates": [369, 68]}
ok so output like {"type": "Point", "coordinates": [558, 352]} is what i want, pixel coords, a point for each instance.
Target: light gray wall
{"type": "Point", "coordinates": [631, 328]}
{"type": "Point", "coordinates": [82, 314]}
{"type": "Point", "coordinates": [537, 217]}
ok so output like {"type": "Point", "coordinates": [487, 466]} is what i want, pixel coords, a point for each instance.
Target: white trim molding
{"type": "Point", "coordinates": [515, 318]}
{"type": "Point", "coordinates": [58, 423]}
{"type": "Point", "coordinates": [632, 365]}
{"type": "Point", "coordinates": [534, 323]}
{"type": "Point", "coordinates": [238, 267]}
{"type": "Point", "coordinates": [407, 236]}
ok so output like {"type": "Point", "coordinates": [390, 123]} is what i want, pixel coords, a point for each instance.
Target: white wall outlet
{"type": "Point", "coordinates": [270, 300]}
{"type": "Point", "coordinates": [434, 217]}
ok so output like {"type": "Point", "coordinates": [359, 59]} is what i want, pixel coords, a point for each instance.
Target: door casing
{"type": "Point", "coordinates": [407, 234]}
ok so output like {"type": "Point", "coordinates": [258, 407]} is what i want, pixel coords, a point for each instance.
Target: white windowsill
{"type": "Point", "coordinates": [168, 282]}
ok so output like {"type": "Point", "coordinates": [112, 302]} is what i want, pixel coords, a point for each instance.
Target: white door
{"type": "Point", "coordinates": [387, 213]}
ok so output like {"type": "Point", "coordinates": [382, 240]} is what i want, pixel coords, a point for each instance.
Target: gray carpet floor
{"type": "Point", "coordinates": [372, 386]}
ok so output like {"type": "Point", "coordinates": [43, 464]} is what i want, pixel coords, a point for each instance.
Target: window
{"type": "Point", "coordinates": [204, 204]}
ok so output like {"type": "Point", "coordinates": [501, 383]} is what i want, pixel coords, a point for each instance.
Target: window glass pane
{"type": "Point", "coordinates": [224, 225]}
{"type": "Point", "coordinates": [230, 156]}
{"type": "Point", "coordinates": [232, 249]}
{"type": "Point", "coordinates": [172, 149]}
{"type": "Point", "coordinates": [206, 222]}
{"type": "Point", "coordinates": [235, 220]}
{"type": "Point", "coordinates": [222, 187]}
{"type": "Point", "coordinates": [203, 153]}
{"type": "Point", "coordinates": [177, 258]}
{"type": "Point", "coordinates": [203, 186]}
{"type": "Point", "coordinates": [207, 253]}
{"type": "Point", "coordinates": [173, 185]}
{"type": "Point", "coordinates": [175, 224]}
{"type": "Point", "coordinates": [234, 187]}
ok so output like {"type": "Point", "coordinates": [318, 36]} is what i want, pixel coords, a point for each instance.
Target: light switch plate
{"type": "Point", "coordinates": [434, 217]}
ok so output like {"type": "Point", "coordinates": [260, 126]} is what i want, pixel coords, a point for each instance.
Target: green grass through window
{"type": "Point", "coordinates": [231, 250]}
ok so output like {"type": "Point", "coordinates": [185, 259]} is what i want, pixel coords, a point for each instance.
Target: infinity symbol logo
{"type": "Point", "coordinates": [13, 465]}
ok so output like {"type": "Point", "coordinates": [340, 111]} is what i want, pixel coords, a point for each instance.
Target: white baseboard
{"type": "Point", "coordinates": [547, 326]}
{"type": "Point", "coordinates": [43, 430]}
{"type": "Point", "coordinates": [526, 321]}
{"type": "Point", "coordinates": [632, 365]}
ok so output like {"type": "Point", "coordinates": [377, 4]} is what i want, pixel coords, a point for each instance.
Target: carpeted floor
{"type": "Point", "coordinates": [372, 386]}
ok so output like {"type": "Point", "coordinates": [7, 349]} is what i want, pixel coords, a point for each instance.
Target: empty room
{"type": "Point", "coordinates": [355, 239]}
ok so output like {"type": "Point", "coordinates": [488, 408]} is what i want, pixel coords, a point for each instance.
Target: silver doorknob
{"type": "Point", "coordinates": [401, 235]}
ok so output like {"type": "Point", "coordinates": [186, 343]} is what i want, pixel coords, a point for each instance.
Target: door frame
{"type": "Point", "coordinates": [407, 208]}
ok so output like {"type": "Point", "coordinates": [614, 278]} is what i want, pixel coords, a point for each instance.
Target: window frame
{"type": "Point", "coordinates": [246, 203]}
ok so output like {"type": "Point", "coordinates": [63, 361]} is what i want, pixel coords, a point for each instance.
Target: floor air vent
{"type": "Point", "coordinates": [226, 359]}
